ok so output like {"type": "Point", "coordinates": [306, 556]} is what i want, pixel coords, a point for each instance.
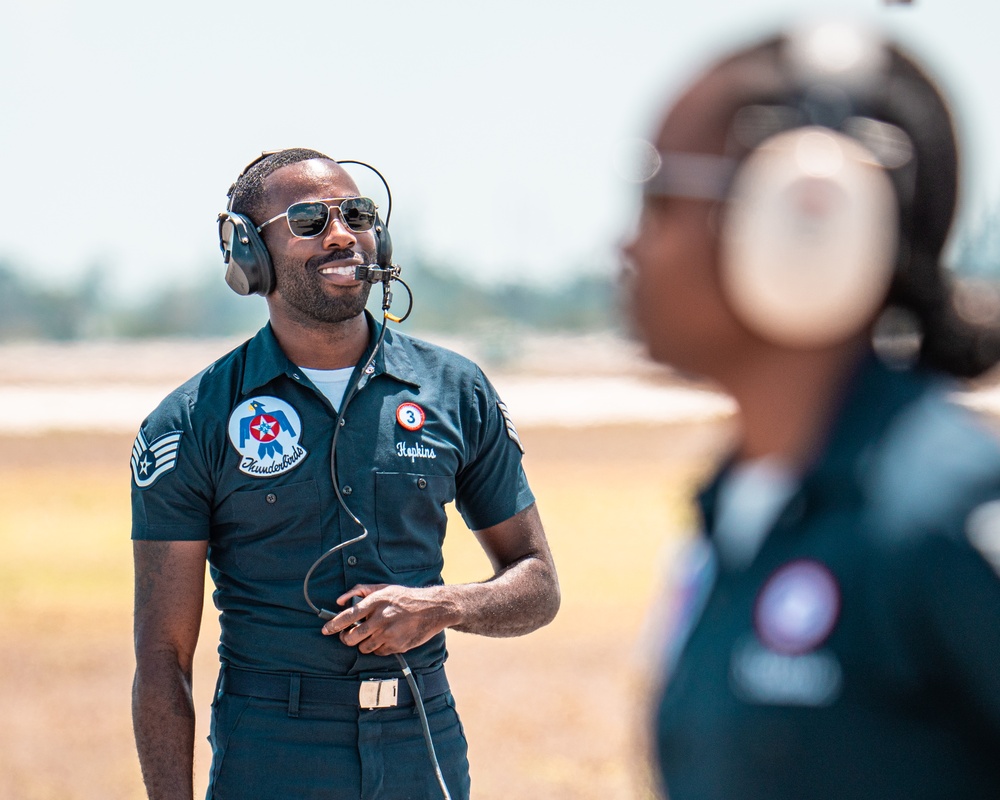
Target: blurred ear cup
{"type": "Point", "coordinates": [248, 264]}
{"type": "Point", "coordinates": [809, 238]}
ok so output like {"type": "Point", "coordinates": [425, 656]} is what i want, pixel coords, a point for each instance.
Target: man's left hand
{"type": "Point", "coordinates": [391, 619]}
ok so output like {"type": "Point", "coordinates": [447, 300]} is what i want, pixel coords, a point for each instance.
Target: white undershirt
{"type": "Point", "coordinates": [749, 501]}
{"type": "Point", "coordinates": [331, 382]}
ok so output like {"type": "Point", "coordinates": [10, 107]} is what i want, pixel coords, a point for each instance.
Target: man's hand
{"type": "Point", "coordinates": [522, 595]}
{"type": "Point", "coordinates": [392, 619]}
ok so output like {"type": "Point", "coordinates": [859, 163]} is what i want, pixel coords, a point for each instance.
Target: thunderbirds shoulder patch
{"type": "Point", "coordinates": [151, 460]}
{"type": "Point", "coordinates": [265, 432]}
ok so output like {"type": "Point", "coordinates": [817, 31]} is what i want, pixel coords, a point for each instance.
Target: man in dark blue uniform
{"type": "Point", "coordinates": [835, 633]}
{"type": "Point", "coordinates": [322, 429]}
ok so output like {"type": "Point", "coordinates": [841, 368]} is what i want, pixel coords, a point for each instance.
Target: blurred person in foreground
{"type": "Point", "coordinates": [314, 463]}
{"type": "Point", "coordinates": [836, 631]}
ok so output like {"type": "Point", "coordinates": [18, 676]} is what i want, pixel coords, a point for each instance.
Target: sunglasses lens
{"type": "Point", "coordinates": [358, 213]}
{"type": "Point", "coordinates": [307, 219]}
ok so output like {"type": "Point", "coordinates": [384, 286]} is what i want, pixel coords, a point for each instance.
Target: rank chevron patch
{"type": "Point", "coordinates": [511, 430]}
{"type": "Point", "coordinates": [150, 460]}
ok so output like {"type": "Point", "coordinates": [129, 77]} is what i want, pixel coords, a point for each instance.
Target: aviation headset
{"type": "Point", "coordinates": [818, 223]}
{"type": "Point", "coordinates": [248, 263]}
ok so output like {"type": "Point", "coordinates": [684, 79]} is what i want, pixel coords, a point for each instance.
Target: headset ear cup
{"type": "Point", "coordinates": [248, 264]}
{"type": "Point", "coordinates": [809, 239]}
{"type": "Point", "coordinates": [383, 244]}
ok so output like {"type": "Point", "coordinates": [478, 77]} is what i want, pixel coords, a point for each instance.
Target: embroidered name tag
{"type": "Point", "coordinates": [414, 451]}
{"type": "Point", "coordinates": [763, 677]}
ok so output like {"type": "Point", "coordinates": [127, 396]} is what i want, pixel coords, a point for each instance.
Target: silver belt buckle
{"type": "Point", "coordinates": [375, 693]}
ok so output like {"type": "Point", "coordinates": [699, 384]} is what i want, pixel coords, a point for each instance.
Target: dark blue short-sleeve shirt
{"type": "Point", "coordinates": [240, 456]}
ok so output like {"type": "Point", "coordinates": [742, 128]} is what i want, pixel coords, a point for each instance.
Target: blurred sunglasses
{"type": "Point", "coordinates": [308, 219]}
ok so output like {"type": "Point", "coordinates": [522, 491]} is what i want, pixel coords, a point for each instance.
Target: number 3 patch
{"type": "Point", "coordinates": [410, 416]}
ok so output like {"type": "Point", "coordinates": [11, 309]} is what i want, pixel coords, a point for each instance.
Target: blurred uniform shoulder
{"type": "Point", "coordinates": [937, 462]}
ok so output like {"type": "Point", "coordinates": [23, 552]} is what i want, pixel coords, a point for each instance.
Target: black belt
{"type": "Point", "coordinates": [360, 693]}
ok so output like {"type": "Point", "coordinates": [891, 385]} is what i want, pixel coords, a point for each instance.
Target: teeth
{"type": "Point", "coordinates": [347, 271]}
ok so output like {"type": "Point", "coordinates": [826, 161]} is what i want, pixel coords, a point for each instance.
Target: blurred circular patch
{"type": "Point", "coordinates": [797, 608]}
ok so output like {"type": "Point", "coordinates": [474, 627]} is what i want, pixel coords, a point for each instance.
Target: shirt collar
{"type": "Point", "coordinates": [392, 359]}
{"type": "Point", "coordinates": [266, 360]}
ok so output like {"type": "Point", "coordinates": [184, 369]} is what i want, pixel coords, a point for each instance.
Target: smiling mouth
{"type": "Point", "coordinates": [344, 270]}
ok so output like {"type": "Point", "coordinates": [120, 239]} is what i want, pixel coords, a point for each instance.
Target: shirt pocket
{"type": "Point", "coordinates": [410, 519]}
{"type": "Point", "coordinates": [271, 534]}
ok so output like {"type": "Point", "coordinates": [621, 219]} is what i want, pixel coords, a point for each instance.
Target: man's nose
{"type": "Point", "coordinates": [337, 235]}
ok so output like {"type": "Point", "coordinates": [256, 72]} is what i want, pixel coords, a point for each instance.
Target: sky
{"type": "Point", "coordinates": [498, 127]}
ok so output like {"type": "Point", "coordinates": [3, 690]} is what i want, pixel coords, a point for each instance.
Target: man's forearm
{"type": "Point", "coordinates": [522, 595]}
{"type": "Point", "coordinates": [518, 600]}
{"type": "Point", "coordinates": [163, 722]}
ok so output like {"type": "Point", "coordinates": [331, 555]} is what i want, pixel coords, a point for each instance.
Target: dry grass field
{"type": "Point", "coordinates": [556, 714]}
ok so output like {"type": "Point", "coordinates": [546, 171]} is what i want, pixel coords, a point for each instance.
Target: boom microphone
{"type": "Point", "coordinates": [375, 274]}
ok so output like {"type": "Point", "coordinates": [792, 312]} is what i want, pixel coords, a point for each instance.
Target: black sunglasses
{"type": "Point", "coordinates": [308, 219]}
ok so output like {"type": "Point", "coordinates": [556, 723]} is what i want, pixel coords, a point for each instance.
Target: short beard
{"type": "Point", "coordinates": [302, 290]}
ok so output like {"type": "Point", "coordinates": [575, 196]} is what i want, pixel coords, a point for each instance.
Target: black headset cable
{"type": "Point", "coordinates": [325, 613]}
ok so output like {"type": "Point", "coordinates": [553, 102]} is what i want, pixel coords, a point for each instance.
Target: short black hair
{"type": "Point", "coordinates": [246, 196]}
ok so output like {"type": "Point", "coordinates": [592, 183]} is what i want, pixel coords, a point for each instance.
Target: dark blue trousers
{"type": "Point", "coordinates": [333, 752]}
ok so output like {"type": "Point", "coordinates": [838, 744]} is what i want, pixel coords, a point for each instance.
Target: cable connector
{"type": "Point", "coordinates": [373, 274]}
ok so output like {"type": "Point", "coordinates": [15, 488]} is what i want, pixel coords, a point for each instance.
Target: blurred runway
{"type": "Point", "coordinates": [534, 401]}
{"type": "Point", "coordinates": [570, 382]}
